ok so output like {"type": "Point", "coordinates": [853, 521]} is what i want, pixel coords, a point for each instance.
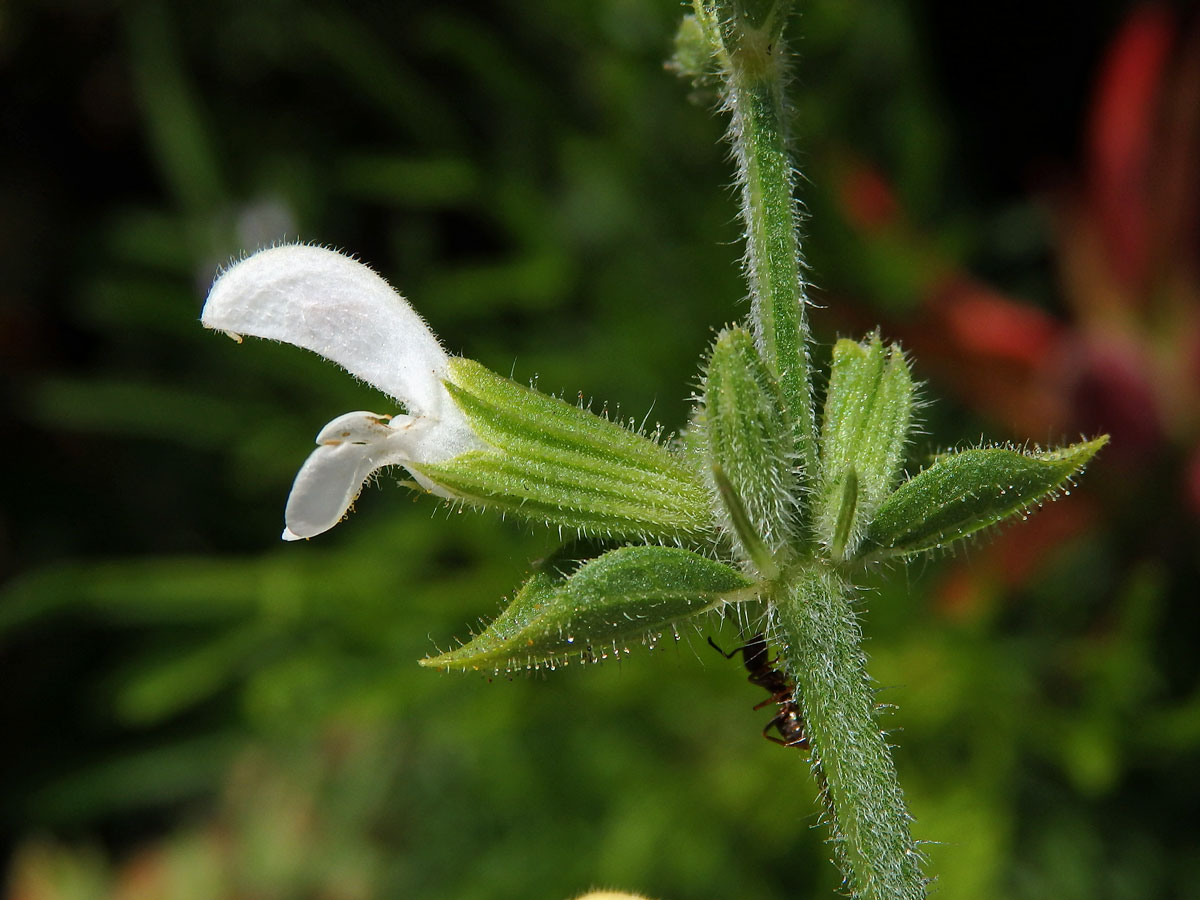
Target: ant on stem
{"type": "Point", "coordinates": [788, 721]}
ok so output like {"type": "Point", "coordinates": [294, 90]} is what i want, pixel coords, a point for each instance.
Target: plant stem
{"type": "Point", "coordinates": [754, 57]}
{"type": "Point", "coordinates": [851, 760]}
{"type": "Point", "coordinates": [812, 612]}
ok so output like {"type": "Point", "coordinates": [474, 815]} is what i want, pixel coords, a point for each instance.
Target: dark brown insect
{"type": "Point", "coordinates": [788, 720]}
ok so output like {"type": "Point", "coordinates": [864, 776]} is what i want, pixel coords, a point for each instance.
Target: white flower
{"type": "Point", "coordinates": [335, 306]}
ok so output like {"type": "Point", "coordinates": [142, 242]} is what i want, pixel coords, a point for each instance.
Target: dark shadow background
{"type": "Point", "coordinates": [192, 709]}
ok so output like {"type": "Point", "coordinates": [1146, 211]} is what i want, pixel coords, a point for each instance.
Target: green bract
{"type": "Point", "coordinates": [962, 493]}
{"type": "Point", "coordinates": [557, 463]}
{"type": "Point", "coordinates": [629, 594]}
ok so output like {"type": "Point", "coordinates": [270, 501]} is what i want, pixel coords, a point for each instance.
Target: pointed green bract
{"type": "Point", "coordinates": [868, 411]}
{"type": "Point", "coordinates": [629, 594]}
{"type": "Point", "coordinates": [962, 493]}
{"type": "Point", "coordinates": [749, 442]}
{"type": "Point", "coordinates": [557, 463]}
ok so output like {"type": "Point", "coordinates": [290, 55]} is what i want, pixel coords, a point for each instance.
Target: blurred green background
{"type": "Point", "coordinates": [192, 709]}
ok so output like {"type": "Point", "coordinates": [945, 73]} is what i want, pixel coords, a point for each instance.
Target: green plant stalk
{"type": "Point", "coordinates": [755, 97]}
{"type": "Point", "coordinates": [815, 622]}
{"type": "Point", "coordinates": [867, 818]}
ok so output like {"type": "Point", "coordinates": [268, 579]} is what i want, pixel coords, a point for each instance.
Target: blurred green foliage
{"type": "Point", "coordinates": [192, 709]}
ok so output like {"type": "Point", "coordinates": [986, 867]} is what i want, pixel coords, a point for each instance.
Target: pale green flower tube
{"type": "Point", "coordinates": [466, 434]}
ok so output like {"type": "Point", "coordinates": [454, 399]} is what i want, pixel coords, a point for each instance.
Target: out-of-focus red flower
{"type": "Point", "coordinates": [1124, 356]}
{"type": "Point", "coordinates": [986, 322]}
{"type": "Point", "coordinates": [866, 198]}
{"type": "Point", "coordinates": [997, 355]}
{"type": "Point", "coordinates": [1121, 137]}
{"type": "Point", "coordinates": [1127, 249]}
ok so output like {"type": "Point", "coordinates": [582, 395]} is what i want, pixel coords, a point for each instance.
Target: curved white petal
{"type": "Point", "coordinates": [328, 482]}
{"type": "Point", "coordinates": [353, 446]}
{"type": "Point", "coordinates": [335, 306]}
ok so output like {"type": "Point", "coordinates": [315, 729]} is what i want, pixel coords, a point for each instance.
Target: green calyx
{"type": "Point", "coordinates": [750, 448]}
{"type": "Point", "coordinates": [557, 463]}
{"type": "Point", "coordinates": [628, 594]}
{"type": "Point", "coordinates": [868, 412]}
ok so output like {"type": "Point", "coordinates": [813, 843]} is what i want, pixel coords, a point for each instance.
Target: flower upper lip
{"type": "Point", "coordinates": [337, 307]}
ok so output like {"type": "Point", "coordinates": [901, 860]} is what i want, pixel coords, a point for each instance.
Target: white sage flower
{"type": "Point", "coordinates": [339, 308]}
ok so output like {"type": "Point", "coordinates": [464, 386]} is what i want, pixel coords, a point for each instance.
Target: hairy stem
{"type": "Point", "coordinates": [868, 821]}
{"type": "Point", "coordinates": [816, 624]}
{"type": "Point", "coordinates": [753, 56]}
